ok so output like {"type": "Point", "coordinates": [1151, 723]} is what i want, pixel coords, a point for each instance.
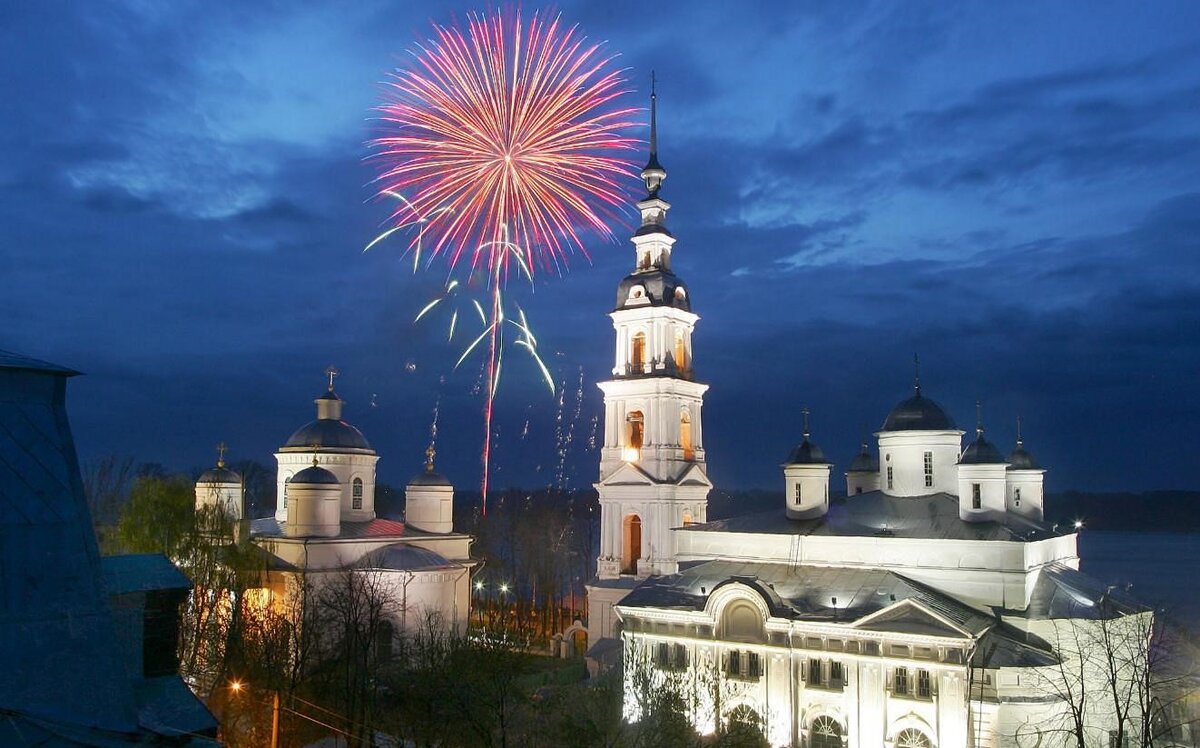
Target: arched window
{"type": "Point", "coordinates": [687, 519]}
{"type": "Point", "coordinates": [631, 548]}
{"type": "Point", "coordinates": [286, 481]}
{"type": "Point", "coordinates": [741, 621]}
{"type": "Point", "coordinates": [743, 719]}
{"type": "Point", "coordinates": [356, 495]}
{"type": "Point", "coordinates": [912, 738]}
{"type": "Point", "coordinates": [685, 434]}
{"type": "Point", "coordinates": [637, 356]}
{"type": "Point", "coordinates": [681, 362]}
{"type": "Point", "coordinates": [826, 733]}
{"type": "Point", "coordinates": [635, 424]}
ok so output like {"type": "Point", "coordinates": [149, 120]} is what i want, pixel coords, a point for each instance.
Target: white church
{"type": "Point", "coordinates": [325, 523]}
{"type": "Point", "coordinates": [923, 610]}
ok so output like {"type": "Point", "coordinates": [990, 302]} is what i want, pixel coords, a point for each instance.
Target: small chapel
{"type": "Point", "coordinates": [925, 609]}
{"type": "Point", "coordinates": [325, 522]}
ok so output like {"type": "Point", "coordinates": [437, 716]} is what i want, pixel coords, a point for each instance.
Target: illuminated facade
{"type": "Point", "coordinates": [926, 608]}
{"type": "Point", "coordinates": [325, 523]}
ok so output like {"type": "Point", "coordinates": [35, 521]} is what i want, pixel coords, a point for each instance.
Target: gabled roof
{"type": "Point", "coordinates": [141, 572]}
{"type": "Point", "coordinates": [15, 361]}
{"type": "Point", "coordinates": [1063, 592]}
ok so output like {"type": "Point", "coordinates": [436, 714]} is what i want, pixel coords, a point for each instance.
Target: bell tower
{"type": "Point", "coordinates": [652, 465]}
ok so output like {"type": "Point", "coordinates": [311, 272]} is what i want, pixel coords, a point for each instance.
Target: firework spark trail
{"type": "Point", "coordinates": [505, 133]}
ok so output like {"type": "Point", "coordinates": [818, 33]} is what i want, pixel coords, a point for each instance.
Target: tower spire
{"type": "Point", "coordinates": [221, 454]}
{"type": "Point", "coordinates": [654, 174]}
{"type": "Point", "coordinates": [1020, 441]}
{"type": "Point", "coordinates": [917, 374]}
{"type": "Point", "coordinates": [332, 373]}
{"type": "Point", "coordinates": [978, 418]}
{"type": "Point", "coordinates": [805, 411]}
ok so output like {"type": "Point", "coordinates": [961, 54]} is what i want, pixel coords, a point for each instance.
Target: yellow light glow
{"type": "Point", "coordinates": [631, 454]}
{"type": "Point", "coordinates": [235, 686]}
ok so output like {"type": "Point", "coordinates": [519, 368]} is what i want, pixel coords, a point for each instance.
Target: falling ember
{"type": "Point", "coordinates": [501, 147]}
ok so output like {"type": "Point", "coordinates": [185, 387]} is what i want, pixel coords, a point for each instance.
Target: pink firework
{"type": "Point", "coordinates": [503, 142]}
{"type": "Point", "coordinates": [505, 124]}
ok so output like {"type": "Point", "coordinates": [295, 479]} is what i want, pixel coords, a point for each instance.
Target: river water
{"type": "Point", "coordinates": [1163, 567]}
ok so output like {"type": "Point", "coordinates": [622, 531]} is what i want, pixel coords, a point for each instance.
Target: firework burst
{"type": "Point", "coordinates": [502, 146]}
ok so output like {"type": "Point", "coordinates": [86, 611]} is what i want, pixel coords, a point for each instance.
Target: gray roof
{"type": "Point", "coordinates": [404, 557]}
{"type": "Point", "coordinates": [807, 453]}
{"type": "Point", "coordinates": [219, 474]}
{"type": "Point", "coordinates": [981, 452]}
{"type": "Point", "coordinates": [1063, 592]}
{"type": "Point", "coordinates": [806, 593]}
{"type": "Point", "coordinates": [660, 288]}
{"type": "Point", "coordinates": [1021, 459]}
{"type": "Point", "coordinates": [864, 462]}
{"type": "Point", "coordinates": [918, 413]}
{"type": "Point", "coordinates": [10, 360]}
{"type": "Point", "coordinates": [315, 475]}
{"type": "Point", "coordinates": [875, 514]}
{"type": "Point", "coordinates": [327, 434]}
{"type": "Point", "coordinates": [429, 478]}
{"type": "Point", "coordinates": [141, 572]}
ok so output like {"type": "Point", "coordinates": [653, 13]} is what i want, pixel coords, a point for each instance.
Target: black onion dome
{"type": "Point", "coordinates": [661, 288]}
{"type": "Point", "coordinates": [427, 478]}
{"type": "Point", "coordinates": [326, 433]}
{"type": "Point", "coordinates": [219, 474]}
{"type": "Point", "coordinates": [981, 452]}
{"type": "Point", "coordinates": [1021, 459]}
{"type": "Point", "coordinates": [315, 475]}
{"type": "Point", "coordinates": [807, 453]}
{"type": "Point", "coordinates": [918, 413]}
{"type": "Point", "coordinates": [864, 462]}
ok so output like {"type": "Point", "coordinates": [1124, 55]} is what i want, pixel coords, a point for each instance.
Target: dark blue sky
{"type": "Point", "coordinates": [1011, 189]}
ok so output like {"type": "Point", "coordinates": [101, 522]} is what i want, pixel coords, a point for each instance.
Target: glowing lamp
{"type": "Point", "coordinates": [630, 454]}
{"type": "Point", "coordinates": [235, 686]}
{"type": "Point", "coordinates": [1078, 524]}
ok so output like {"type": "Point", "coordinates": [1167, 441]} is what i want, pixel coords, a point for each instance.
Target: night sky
{"type": "Point", "coordinates": [1010, 189]}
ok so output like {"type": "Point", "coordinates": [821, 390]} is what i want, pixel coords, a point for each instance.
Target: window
{"type": "Point", "coordinates": [679, 657]}
{"type": "Point", "coordinates": [680, 350]}
{"type": "Point", "coordinates": [826, 733]}
{"type": "Point", "coordinates": [637, 357]}
{"type": "Point", "coordinates": [356, 495]}
{"type": "Point", "coordinates": [634, 429]}
{"type": "Point", "coordinates": [685, 434]}
{"type": "Point", "coordinates": [799, 494]}
{"type": "Point", "coordinates": [900, 681]}
{"type": "Point", "coordinates": [744, 665]}
{"type": "Point", "coordinates": [1115, 742]}
{"type": "Point", "coordinates": [632, 547]}
{"type": "Point", "coordinates": [814, 672]}
{"type": "Point", "coordinates": [858, 489]}
{"type": "Point", "coordinates": [976, 498]}
{"type": "Point", "coordinates": [1017, 496]}
{"type": "Point", "coordinates": [924, 685]}
{"type": "Point", "coordinates": [837, 675]}
{"type": "Point", "coordinates": [891, 484]}
{"type": "Point", "coordinates": [286, 481]}
{"type": "Point", "coordinates": [911, 738]}
{"type": "Point", "coordinates": [929, 469]}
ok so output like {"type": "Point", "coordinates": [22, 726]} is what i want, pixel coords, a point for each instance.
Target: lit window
{"type": "Point", "coordinates": [356, 497]}
{"type": "Point", "coordinates": [891, 483]}
{"type": "Point", "coordinates": [976, 497]}
{"type": "Point", "coordinates": [929, 469]}
{"type": "Point", "coordinates": [286, 481]}
{"type": "Point", "coordinates": [637, 355]}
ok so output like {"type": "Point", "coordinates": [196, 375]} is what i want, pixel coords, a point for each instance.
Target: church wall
{"type": "Point", "coordinates": [904, 452]}
{"type": "Point", "coordinates": [346, 466]}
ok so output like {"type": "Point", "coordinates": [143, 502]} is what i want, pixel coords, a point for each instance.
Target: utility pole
{"type": "Point", "coordinates": [274, 719]}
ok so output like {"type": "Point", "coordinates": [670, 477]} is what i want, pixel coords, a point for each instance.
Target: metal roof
{"type": "Point", "coordinates": [807, 453]}
{"type": "Point", "coordinates": [807, 593]}
{"type": "Point", "coordinates": [1063, 592]}
{"type": "Point", "coordinates": [10, 360]}
{"type": "Point", "coordinates": [404, 557]}
{"type": "Point", "coordinates": [981, 452]}
{"type": "Point", "coordinates": [1021, 459]}
{"type": "Point", "coordinates": [875, 514]}
{"type": "Point", "coordinates": [376, 528]}
{"type": "Point", "coordinates": [660, 288]}
{"type": "Point", "coordinates": [327, 434]}
{"type": "Point", "coordinates": [918, 413]}
{"type": "Point", "coordinates": [141, 572]}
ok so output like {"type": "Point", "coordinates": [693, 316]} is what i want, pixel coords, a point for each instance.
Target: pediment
{"type": "Point", "coordinates": [628, 475]}
{"type": "Point", "coordinates": [694, 476]}
{"type": "Point", "coordinates": [908, 617]}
